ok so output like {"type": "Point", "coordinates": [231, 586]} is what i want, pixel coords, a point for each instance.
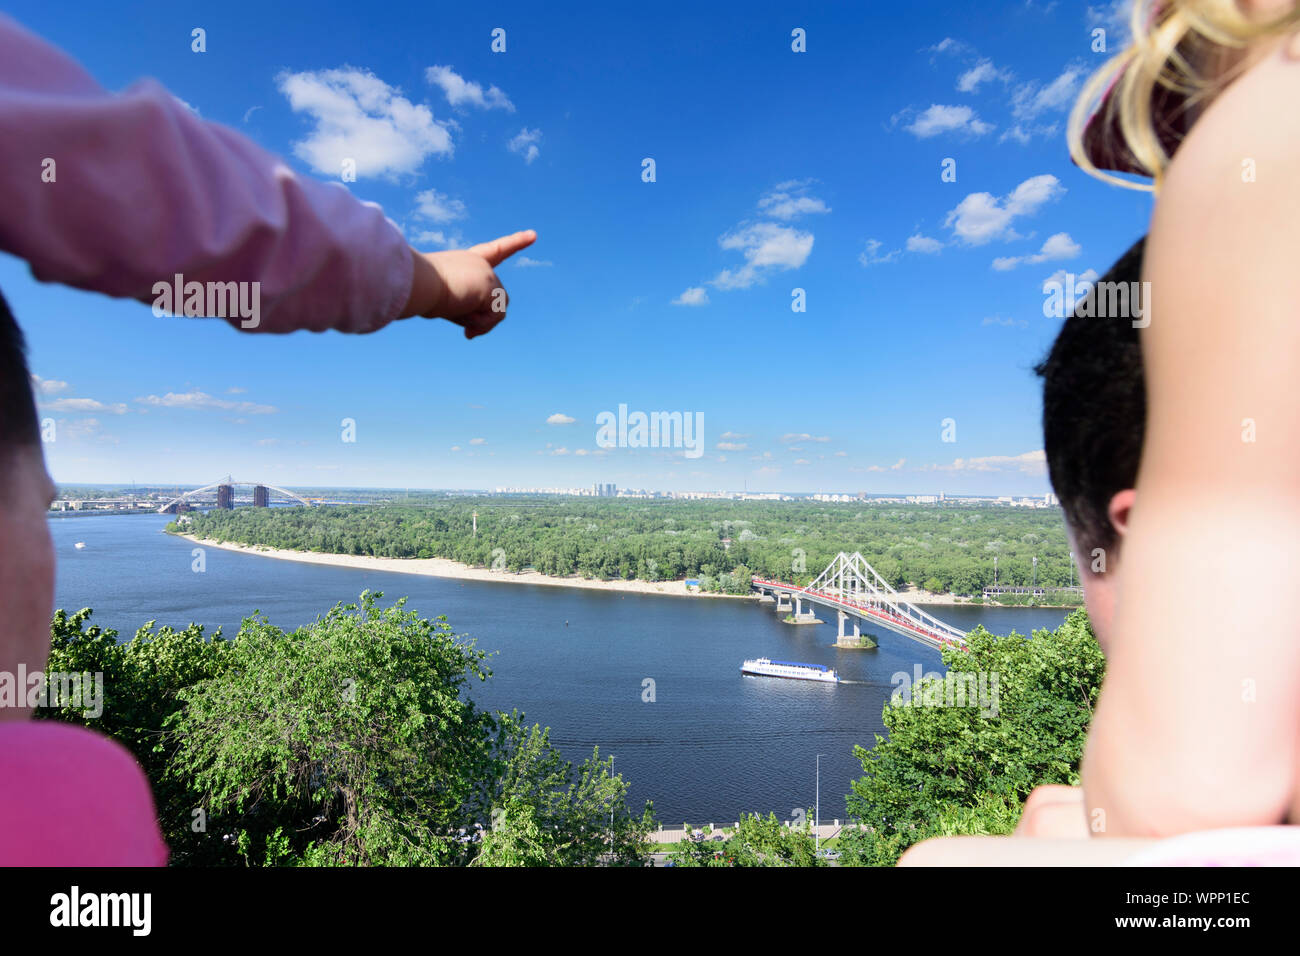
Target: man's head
{"type": "Point", "coordinates": [1094, 419]}
{"type": "Point", "coordinates": [26, 552]}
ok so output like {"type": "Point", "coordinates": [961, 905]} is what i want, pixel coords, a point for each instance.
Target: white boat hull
{"type": "Point", "coordinates": [789, 671]}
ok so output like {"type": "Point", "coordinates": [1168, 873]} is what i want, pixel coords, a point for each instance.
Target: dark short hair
{"type": "Point", "coordinates": [18, 425]}
{"type": "Point", "coordinates": [1094, 411]}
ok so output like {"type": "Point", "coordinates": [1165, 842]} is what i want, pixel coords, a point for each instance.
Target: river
{"type": "Point", "coordinates": [711, 745]}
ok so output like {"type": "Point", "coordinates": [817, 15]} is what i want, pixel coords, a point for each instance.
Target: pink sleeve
{"type": "Point", "coordinates": [70, 797]}
{"type": "Point", "coordinates": [143, 189]}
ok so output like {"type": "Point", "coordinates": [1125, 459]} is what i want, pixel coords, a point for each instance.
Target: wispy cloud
{"type": "Point", "coordinates": [197, 400]}
{"type": "Point", "coordinates": [924, 244]}
{"type": "Point", "coordinates": [695, 295]}
{"type": "Point", "coordinates": [872, 256]}
{"type": "Point", "coordinates": [1030, 463]}
{"type": "Point", "coordinates": [939, 119]}
{"type": "Point", "coordinates": [462, 93]}
{"type": "Point", "coordinates": [438, 207]}
{"type": "Point", "coordinates": [84, 405]}
{"type": "Point", "coordinates": [790, 200]}
{"type": "Point", "coordinates": [48, 386]}
{"type": "Point", "coordinates": [1057, 247]}
{"type": "Point", "coordinates": [525, 144]}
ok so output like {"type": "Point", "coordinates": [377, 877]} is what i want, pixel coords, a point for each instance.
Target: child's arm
{"type": "Point", "coordinates": [1198, 725]}
{"type": "Point", "coordinates": [115, 193]}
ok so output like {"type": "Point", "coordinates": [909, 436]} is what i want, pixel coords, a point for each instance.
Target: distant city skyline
{"type": "Point", "coordinates": [904, 182]}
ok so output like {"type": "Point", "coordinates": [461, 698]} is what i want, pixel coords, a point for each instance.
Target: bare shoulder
{"type": "Point", "coordinates": [1224, 237]}
{"type": "Point", "coordinates": [1241, 158]}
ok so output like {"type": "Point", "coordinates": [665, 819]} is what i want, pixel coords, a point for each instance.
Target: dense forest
{"type": "Point", "coordinates": [938, 548]}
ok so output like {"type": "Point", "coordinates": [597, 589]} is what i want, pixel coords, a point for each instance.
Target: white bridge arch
{"type": "Point", "coordinates": [857, 592]}
{"type": "Point", "coordinates": [195, 492]}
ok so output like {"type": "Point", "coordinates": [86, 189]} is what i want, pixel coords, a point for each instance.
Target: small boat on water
{"type": "Point", "coordinates": [80, 545]}
{"type": "Point", "coordinates": [765, 667]}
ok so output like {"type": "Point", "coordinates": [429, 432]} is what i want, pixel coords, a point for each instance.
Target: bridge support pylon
{"type": "Point", "coordinates": [856, 639]}
{"type": "Point", "coordinates": [800, 616]}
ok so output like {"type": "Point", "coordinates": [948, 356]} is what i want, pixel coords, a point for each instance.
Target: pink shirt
{"type": "Point", "coordinates": [69, 797]}
{"type": "Point", "coordinates": [143, 189]}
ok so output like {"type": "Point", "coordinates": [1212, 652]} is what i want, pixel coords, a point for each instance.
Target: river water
{"type": "Point", "coordinates": [711, 745]}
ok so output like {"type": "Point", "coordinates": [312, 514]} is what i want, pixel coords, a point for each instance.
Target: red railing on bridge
{"type": "Point", "coordinates": [864, 608]}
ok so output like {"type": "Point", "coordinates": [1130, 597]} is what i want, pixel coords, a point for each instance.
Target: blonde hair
{"type": "Point", "coordinates": [1191, 48]}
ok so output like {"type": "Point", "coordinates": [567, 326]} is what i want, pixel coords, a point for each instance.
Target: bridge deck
{"type": "Point", "coordinates": [880, 615]}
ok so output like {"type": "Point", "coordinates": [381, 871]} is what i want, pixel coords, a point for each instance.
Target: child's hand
{"type": "Point", "coordinates": [461, 284]}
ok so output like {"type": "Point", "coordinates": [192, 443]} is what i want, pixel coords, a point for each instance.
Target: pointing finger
{"type": "Point", "coordinates": [497, 251]}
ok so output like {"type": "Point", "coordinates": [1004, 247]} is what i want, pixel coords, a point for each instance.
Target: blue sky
{"type": "Point", "coordinates": [775, 170]}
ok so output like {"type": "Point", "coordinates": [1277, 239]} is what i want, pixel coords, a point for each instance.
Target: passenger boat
{"type": "Point", "coordinates": [765, 667]}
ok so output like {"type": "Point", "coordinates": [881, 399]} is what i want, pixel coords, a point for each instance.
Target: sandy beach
{"type": "Point", "coordinates": [443, 568]}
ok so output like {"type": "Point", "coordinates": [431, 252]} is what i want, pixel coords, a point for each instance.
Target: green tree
{"type": "Point", "coordinates": [945, 769]}
{"type": "Point", "coordinates": [757, 841]}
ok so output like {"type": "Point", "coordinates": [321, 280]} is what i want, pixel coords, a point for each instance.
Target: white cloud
{"type": "Point", "coordinates": [1032, 99]}
{"type": "Point", "coordinates": [83, 428]}
{"type": "Point", "coordinates": [360, 117]}
{"type": "Point", "coordinates": [1114, 18]}
{"type": "Point", "coordinates": [803, 436]}
{"type": "Point", "coordinates": [1030, 463]}
{"type": "Point", "coordinates": [478, 441]}
{"type": "Point", "coordinates": [1003, 321]}
{"type": "Point", "coordinates": [1059, 246]}
{"type": "Point", "coordinates": [438, 207]}
{"type": "Point", "coordinates": [48, 386]}
{"type": "Point", "coordinates": [731, 436]}
{"type": "Point", "coordinates": [438, 237]}
{"type": "Point", "coordinates": [1017, 133]}
{"type": "Point", "coordinates": [695, 295]}
{"type": "Point", "coordinates": [981, 72]}
{"type": "Point", "coordinates": [923, 244]}
{"type": "Point", "coordinates": [946, 119]}
{"type": "Point", "coordinates": [461, 92]}
{"type": "Point", "coordinates": [525, 144]}
{"type": "Point", "coordinates": [1063, 282]}
{"type": "Point", "coordinates": [982, 217]}
{"type": "Point", "coordinates": [871, 255]}
{"type": "Point", "coordinates": [84, 405]}
{"type": "Point", "coordinates": [950, 46]}
{"type": "Point", "coordinates": [1061, 277]}
{"type": "Point", "coordinates": [767, 247]}
{"type": "Point", "coordinates": [559, 418]}
{"type": "Point", "coordinates": [732, 446]}
{"type": "Point", "coordinates": [528, 262]}
{"type": "Point", "coordinates": [195, 399]}
{"type": "Point", "coordinates": [790, 200]}
{"type": "Point", "coordinates": [896, 466]}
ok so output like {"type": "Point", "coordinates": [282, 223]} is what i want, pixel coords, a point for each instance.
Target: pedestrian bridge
{"type": "Point", "coordinates": [859, 595]}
